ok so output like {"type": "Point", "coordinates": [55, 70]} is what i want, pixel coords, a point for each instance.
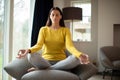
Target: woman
{"type": "Point", "coordinates": [53, 39]}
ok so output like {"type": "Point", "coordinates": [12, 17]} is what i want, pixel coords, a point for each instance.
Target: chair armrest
{"type": "Point", "coordinates": [85, 71]}
{"type": "Point", "coordinates": [17, 68]}
{"type": "Point", "coordinates": [105, 61]}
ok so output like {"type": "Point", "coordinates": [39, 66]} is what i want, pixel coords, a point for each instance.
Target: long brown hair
{"type": "Point", "coordinates": [49, 22]}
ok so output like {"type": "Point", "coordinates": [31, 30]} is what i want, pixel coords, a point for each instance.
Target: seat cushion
{"type": "Point", "coordinates": [17, 68]}
{"type": "Point", "coordinates": [116, 64]}
{"type": "Point", "coordinates": [50, 75]}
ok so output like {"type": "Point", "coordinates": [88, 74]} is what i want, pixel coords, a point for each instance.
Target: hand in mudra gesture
{"type": "Point", "coordinates": [84, 59]}
{"type": "Point", "coordinates": [22, 53]}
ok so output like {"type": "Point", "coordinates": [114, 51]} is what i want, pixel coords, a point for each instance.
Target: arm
{"type": "Point", "coordinates": [39, 43]}
{"type": "Point", "coordinates": [35, 48]}
{"type": "Point", "coordinates": [69, 44]}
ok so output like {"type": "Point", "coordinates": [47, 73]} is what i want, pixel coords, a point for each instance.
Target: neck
{"type": "Point", "coordinates": [55, 26]}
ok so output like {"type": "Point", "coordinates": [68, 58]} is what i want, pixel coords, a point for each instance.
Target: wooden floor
{"type": "Point", "coordinates": [99, 77]}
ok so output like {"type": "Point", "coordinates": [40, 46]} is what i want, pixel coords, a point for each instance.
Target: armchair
{"type": "Point", "coordinates": [110, 59]}
{"type": "Point", "coordinates": [18, 69]}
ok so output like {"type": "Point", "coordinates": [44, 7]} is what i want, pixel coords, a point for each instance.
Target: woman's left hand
{"type": "Point", "coordinates": [84, 59]}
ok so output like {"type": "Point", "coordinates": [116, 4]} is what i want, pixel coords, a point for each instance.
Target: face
{"type": "Point", "coordinates": [55, 16]}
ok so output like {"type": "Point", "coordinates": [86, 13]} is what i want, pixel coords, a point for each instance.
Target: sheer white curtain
{"type": "Point", "coordinates": [1, 34]}
{"type": "Point", "coordinates": [21, 27]}
{"type": "Point", "coordinates": [17, 29]}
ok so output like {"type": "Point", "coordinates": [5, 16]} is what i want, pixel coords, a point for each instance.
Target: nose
{"type": "Point", "coordinates": [54, 17]}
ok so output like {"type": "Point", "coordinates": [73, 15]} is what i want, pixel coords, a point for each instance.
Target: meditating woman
{"type": "Point", "coordinates": [53, 39]}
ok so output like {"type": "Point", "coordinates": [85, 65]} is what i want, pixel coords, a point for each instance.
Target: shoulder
{"type": "Point", "coordinates": [65, 29]}
{"type": "Point", "coordinates": [43, 28]}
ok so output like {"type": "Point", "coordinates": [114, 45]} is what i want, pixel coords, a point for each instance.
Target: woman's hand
{"type": "Point", "coordinates": [22, 53]}
{"type": "Point", "coordinates": [84, 59]}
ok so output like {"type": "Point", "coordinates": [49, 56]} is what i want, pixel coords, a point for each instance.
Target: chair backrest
{"type": "Point", "coordinates": [112, 52]}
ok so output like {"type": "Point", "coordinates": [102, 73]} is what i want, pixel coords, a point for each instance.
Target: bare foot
{"type": "Point", "coordinates": [32, 69]}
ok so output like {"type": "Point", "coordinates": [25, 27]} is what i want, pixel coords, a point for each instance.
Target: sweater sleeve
{"type": "Point", "coordinates": [39, 43]}
{"type": "Point", "coordinates": [69, 44]}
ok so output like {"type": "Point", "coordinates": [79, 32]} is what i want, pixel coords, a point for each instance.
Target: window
{"type": "Point", "coordinates": [82, 29]}
{"type": "Point", "coordinates": [21, 27]}
{"type": "Point", "coordinates": [16, 19]}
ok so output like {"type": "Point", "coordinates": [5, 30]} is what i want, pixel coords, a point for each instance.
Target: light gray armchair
{"type": "Point", "coordinates": [110, 59]}
{"type": "Point", "coordinates": [18, 69]}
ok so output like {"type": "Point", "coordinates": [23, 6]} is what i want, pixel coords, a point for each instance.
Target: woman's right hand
{"type": "Point", "coordinates": [22, 53]}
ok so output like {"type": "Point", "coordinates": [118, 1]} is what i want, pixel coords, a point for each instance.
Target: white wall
{"type": "Point", "coordinates": [59, 3]}
{"type": "Point", "coordinates": [108, 14]}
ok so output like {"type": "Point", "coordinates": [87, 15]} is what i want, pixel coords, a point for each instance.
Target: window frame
{"type": "Point", "coordinates": [86, 30]}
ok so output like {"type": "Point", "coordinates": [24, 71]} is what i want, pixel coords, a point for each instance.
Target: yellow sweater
{"type": "Point", "coordinates": [54, 43]}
